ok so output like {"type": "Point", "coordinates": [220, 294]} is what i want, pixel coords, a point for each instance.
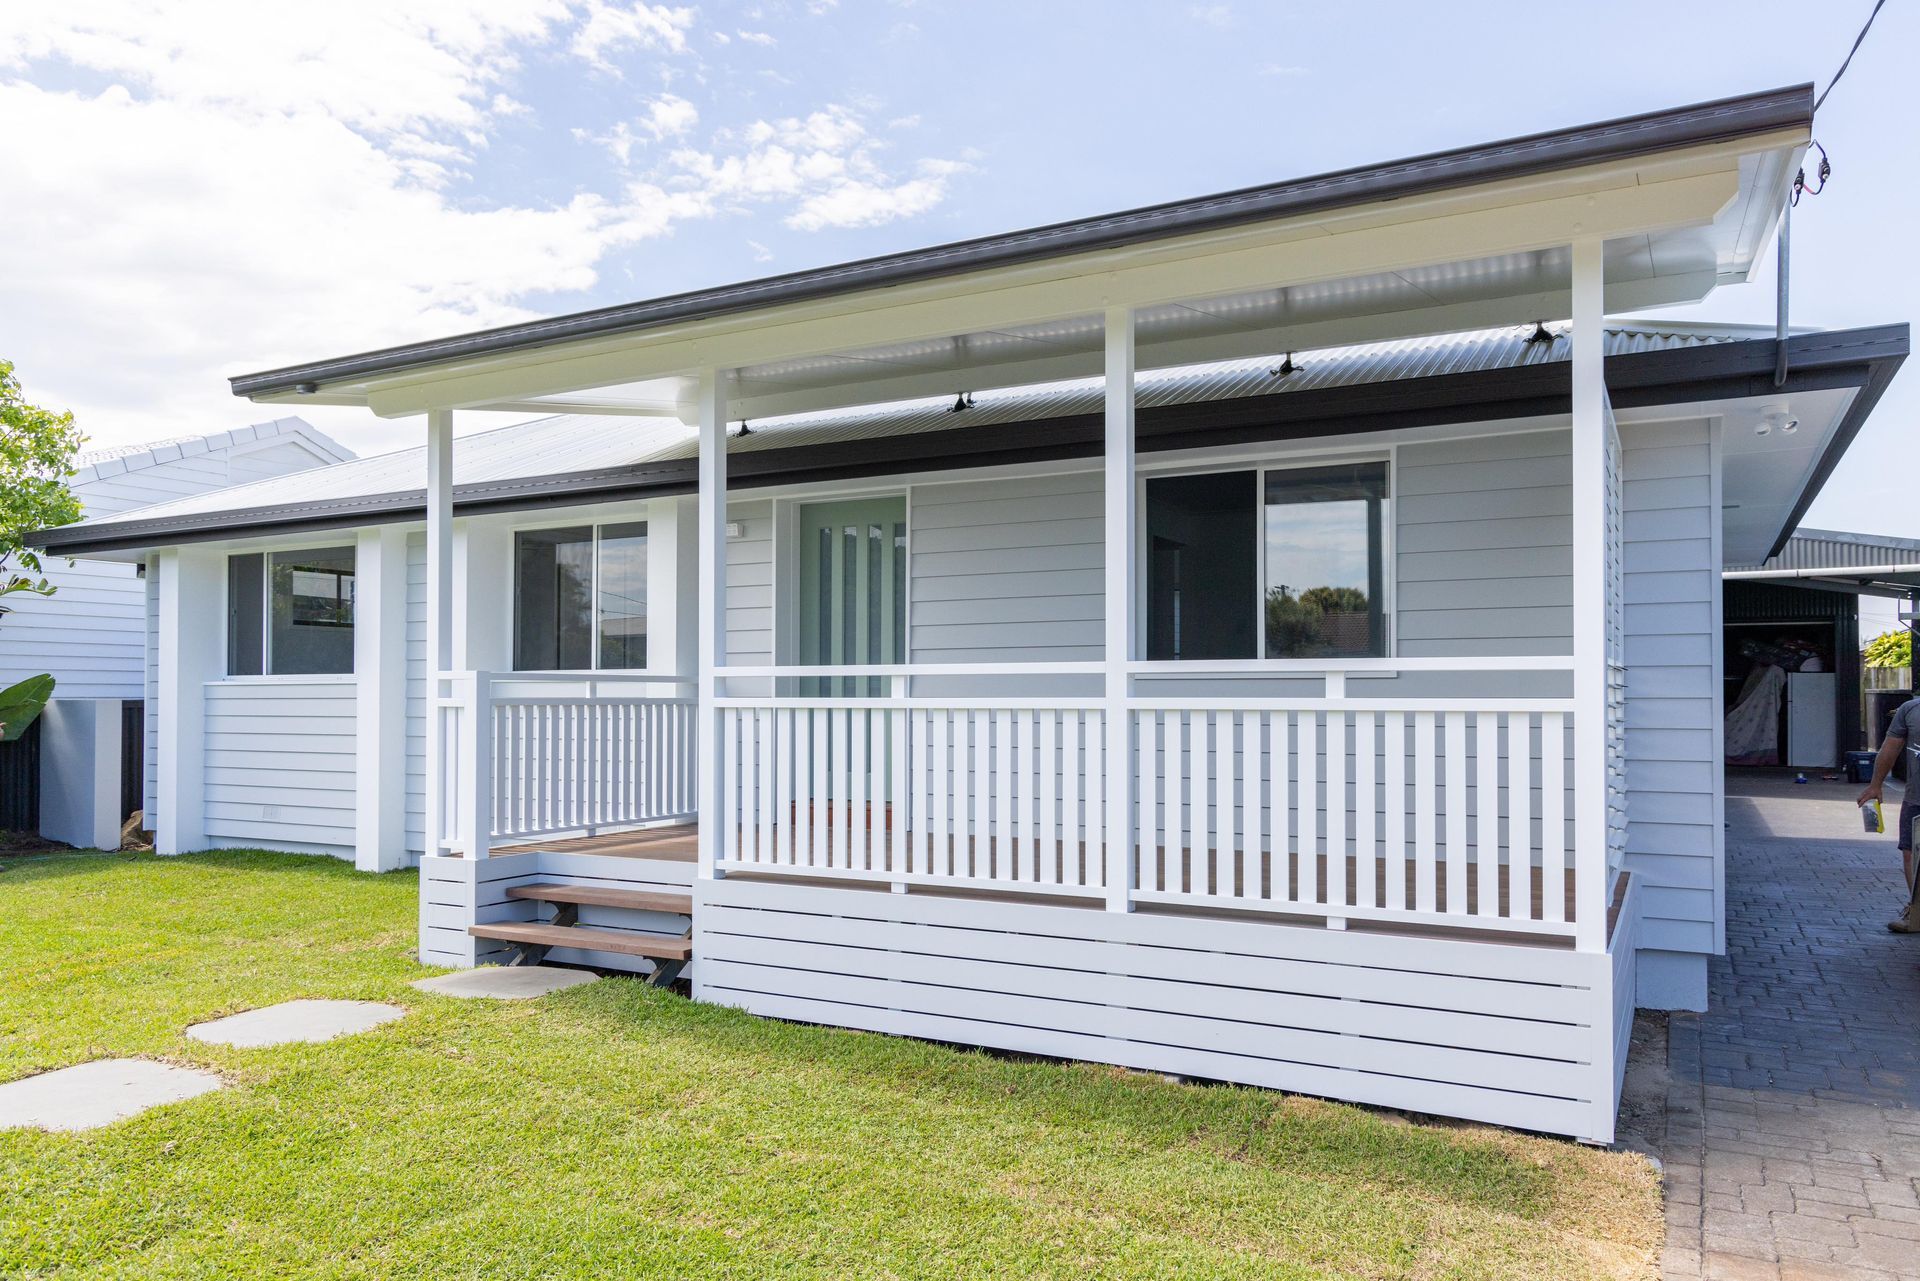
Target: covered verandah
{"type": "Point", "coordinates": [1431, 842]}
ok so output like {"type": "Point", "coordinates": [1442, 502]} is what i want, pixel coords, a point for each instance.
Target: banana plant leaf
{"type": "Point", "coordinates": [20, 703]}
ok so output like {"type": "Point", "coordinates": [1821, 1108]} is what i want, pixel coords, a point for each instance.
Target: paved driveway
{"type": "Point", "coordinates": [1791, 1120]}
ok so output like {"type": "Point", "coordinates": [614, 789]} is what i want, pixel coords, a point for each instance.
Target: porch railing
{"type": "Point", "coordinates": [528, 754]}
{"type": "Point", "coordinates": [1432, 811]}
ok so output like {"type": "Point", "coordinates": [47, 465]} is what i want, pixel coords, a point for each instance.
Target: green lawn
{"type": "Point", "coordinates": [614, 1131]}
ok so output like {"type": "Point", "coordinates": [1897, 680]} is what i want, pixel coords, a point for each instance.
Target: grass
{"type": "Point", "coordinates": [614, 1131]}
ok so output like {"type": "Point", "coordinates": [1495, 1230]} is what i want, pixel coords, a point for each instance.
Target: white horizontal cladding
{"type": "Point", "coordinates": [279, 763]}
{"type": "Point", "coordinates": [545, 753]}
{"type": "Point", "coordinates": [1505, 1032]}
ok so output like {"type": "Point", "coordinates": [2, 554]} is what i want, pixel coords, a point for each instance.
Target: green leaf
{"type": "Point", "coordinates": [20, 703]}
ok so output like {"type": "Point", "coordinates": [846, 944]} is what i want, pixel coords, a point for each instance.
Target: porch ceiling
{"type": "Point", "coordinates": [1685, 200]}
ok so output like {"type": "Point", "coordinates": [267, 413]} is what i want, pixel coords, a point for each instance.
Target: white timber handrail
{"type": "Point", "coordinates": [1446, 813]}
{"type": "Point", "coordinates": [526, 754]}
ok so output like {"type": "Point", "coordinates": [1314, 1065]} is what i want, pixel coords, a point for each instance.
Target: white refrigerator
{"type": "Point", "coordinates": [1812, 739]}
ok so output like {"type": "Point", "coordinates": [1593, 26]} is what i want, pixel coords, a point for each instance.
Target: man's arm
{"type": "Point", "coordinates": [1890, 751]}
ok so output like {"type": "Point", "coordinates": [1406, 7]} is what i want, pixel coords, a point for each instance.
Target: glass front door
{"type": "Point", "coordinates": [853, 589]}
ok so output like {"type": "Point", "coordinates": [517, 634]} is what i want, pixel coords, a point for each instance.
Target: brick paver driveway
{"type": "Point", "coordinates": [1791, 1126]}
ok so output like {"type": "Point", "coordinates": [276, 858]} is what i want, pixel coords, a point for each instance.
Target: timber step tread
{"type": "Point", "coordinates": [605, 896]}
{"type": "Point", "coordinates": [589, 940]}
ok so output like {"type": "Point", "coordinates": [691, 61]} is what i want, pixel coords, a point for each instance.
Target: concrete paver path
{"type": "Point", "coordinates": [1791, 1122]}
{"type": "Point", "coordinates": [505, 982]}
{"type": "Point", "coordinates": [89, 1095]}
{"type": "Point", "coordinates": [292, 1022]}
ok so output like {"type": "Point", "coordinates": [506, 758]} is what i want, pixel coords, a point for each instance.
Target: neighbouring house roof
{"type": "Point", "coordinates": [115, 460]}
{"type": "Point", "coordinates": [1415, 382]}
{"type": "Point", "coordinates": [1829, 558]}
{"type": "Point", "coordinates": [1623, 139]}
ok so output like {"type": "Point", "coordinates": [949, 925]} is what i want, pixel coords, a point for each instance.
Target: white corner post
{"type": "Point", "coordinates": [439, 621]}
{"type": "Point", "coordinates": [193, 650]}
{"type": "Point", "coordinates": [380, 698]}
{"type": "Point", "coordinates": [711, 411]}
{"type": "Point", "coordinates": [1120, 598]}
{"type": "Point", "coordinates": [1589, 599]}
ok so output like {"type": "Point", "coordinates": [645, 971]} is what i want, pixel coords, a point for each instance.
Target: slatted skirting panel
{"type": "Point", "coordinates": [564, 765]}
{"type": "Point", "coordinates": [1444, 817]}
{"type": "Point", "coordinates": [1007, 795]}
{"type": "Point", "coordinates": [1512, 1033]}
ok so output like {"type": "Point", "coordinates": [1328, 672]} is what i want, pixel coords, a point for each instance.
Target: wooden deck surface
{"type": "Point", "coordinates": [679, 843]}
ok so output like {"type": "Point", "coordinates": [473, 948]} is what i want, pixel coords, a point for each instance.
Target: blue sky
{"type": "Point", "coordinates": [204, 187]}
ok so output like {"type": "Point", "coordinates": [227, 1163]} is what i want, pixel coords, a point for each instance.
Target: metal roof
{"type": "Point", "coordinates": [114, 460]}
{"type": "Point", "coordinates": [557, 459]}
{"type": "Point", "coordinates": [1615, 140]}
{"type": "Point", "coordinates": [1829, 558]}
{"type": "Point", "coordinates": [1504, 348]}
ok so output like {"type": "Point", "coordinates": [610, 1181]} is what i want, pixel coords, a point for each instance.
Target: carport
{"type": "Point", "coordinates": [1799, 612]}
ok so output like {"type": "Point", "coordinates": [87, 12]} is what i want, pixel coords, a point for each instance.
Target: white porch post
{"type": "Point", "coordinates": [380, 698]}
{"type": "Point", "coordinates": [193, 651]}
{"type": "Point", "coordinates": [439, 617]}
{"type": "Point", "coordinates": [1120, 595]}
{"type": "Point", "coordinates": [1589, 599]}
{"type": "Point", "coordinates": [711, 410]}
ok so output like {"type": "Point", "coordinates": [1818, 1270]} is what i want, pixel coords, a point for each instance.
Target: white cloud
{"type": "Point", "coordinates": [229, 190]}
{"type": "Point", "coordinates": [828, 163]}
{"type": "Point", "coordinates": [1218, 16]}
{"type": "Point", "coordinates": [760, 252]}
{"type": "Point", "coordinates": [756, 37]}
{"type": "Point", "coordinates": [610, 28]}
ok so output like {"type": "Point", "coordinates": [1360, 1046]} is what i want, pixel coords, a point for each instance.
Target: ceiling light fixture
{"type": "Point", "coordinates": [1540, 334]}
{"type": "Point", "coordinates": [1285, 367]}
{"type": "Point", "coordinates": [963, 401]}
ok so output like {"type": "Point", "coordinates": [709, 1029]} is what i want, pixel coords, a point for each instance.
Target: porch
{"type": "Point", "coordinates": [1200, 794]}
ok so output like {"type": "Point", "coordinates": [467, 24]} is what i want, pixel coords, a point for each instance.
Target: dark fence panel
{"type": "Point", "coordinates": [20, 782]}
{"type": "Point", "coordinates": [133, 756]}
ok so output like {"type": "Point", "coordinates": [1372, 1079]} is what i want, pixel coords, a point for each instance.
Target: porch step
{"type": "Point", "coordinates": [604, 896]}
{"type": "Point", "coordinates": [536, 934]}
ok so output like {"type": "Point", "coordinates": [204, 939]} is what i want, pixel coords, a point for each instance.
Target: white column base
{"type": "Point", "coordinates": [1670, 980]}
{"type": "Point", "coordinates": [80, 772]}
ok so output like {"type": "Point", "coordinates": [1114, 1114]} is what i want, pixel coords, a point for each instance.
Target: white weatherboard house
{"type": "Point", "coordinates": [1009, 643]}
{"type": "Point", "coordinates": [91, 634]}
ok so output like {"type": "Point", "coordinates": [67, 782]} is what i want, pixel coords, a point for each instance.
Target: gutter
{"type": "Point", "coordinates": [1621, 139]}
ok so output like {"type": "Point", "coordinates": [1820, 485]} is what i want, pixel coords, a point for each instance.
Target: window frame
{"type": "Point", "coordinates": [266, 555]}
{"type": "Point", "coordinates": [595, 523]}
{"type": "Point", "coordinates": [1260, 466]}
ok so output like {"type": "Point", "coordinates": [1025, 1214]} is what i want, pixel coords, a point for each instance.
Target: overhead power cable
{"type": "Point", "coordinates": [1848, 61]}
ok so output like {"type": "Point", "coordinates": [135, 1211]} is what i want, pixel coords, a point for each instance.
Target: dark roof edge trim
{"type": "Point", "coordinates": [1677, 376]}
{"type": "Point", "coordinates": [1880, 374]}
{"type": "Point", "coordinates": [1610, 140]}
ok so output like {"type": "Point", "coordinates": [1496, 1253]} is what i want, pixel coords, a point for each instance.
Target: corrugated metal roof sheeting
{"type": "Point", "coordinates": [1836, 549]}
{"type": "Point", "coordinates": [1505, 348]}
{"type": "Point", "coordinates": [587, 442]}
{"type": "Point", "coordinates": [544, 446]}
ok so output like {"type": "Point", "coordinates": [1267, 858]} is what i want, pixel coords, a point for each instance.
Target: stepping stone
{"type": "Point", "coordinates": [293, 1022]}
{"type": "Point", "coordinates": [91, 1095]}
{"type": "Point", "coordinates": [506, 982]}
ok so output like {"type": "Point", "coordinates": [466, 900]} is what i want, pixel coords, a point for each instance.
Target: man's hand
{"type": "Point", "coordinates": [1871, 792]}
